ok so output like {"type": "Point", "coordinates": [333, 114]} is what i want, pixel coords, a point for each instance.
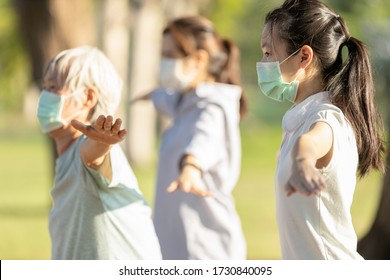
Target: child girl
{"type": "Point", "coordinates": [332, 131]}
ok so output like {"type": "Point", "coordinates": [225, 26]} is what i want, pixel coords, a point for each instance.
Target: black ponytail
{"type": "Point", "coordinates": [352, 90]}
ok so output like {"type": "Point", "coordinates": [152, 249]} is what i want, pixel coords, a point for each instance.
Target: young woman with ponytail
{"type": "Point", "coordinates": [200, 153]}
{"type": "Point", "coordinates": [332, 132]}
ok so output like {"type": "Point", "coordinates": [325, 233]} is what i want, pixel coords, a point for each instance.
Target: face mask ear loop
{"type": "Point", "coordinates": [290, 56]}
{"type": "Point", "coordinates": [301, 70]}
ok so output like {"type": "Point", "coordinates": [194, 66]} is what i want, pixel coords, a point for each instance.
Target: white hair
{"type": "Point", "coordinates": [85, 67]}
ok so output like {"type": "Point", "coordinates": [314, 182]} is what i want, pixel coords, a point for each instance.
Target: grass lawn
{"type": "Point", "coordinates": [24, 194]}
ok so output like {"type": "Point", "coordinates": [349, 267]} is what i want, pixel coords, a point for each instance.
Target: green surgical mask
{"type": "Point", "coordinates": [49, 111]}
{"type": "Point", "coordinates": [271, 82]}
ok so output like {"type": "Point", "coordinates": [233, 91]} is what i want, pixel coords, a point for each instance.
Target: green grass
{"type": "Point", "coordinates": [24, 193]}
{"type": "Point", "coordinates": [24, 200]}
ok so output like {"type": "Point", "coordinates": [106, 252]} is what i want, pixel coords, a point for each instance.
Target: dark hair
{"type": "Point", "coordinates": [193, 33]}
{"type": "Point", "coordinates": [350, 82]}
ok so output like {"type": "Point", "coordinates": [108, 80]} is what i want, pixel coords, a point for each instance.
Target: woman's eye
{"type": "Point", "coordinates": [51, 88]}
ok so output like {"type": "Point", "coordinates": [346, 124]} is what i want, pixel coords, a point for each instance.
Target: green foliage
{"type": "Point", "coordinates": [14, 66]}
{"type": "Point", "coordinates": [242, 21]}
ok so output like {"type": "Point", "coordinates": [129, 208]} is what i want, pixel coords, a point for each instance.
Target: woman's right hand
{"type": "Point", "coordinates": [305, 179]}
{"type": "Point", "coordinates": [190, 181]}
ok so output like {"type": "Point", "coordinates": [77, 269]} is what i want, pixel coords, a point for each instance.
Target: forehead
{"type": "Point", "coordinates": [271, 41]}
{"type": "Point", "coordinates": [266, 38]}
{"type": "Point", "coordinates": [170, 48]}
{"type": "Point", "coordinates": [53, 78]}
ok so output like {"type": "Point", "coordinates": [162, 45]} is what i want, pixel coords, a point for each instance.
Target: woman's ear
{"type": "Point", "coordinates": [199, 61]}
{"type": "Point", "coordinates": [306, 56]}
{"type": "Point", "coordinates": [91, 97]}
{"type": "Point", "coordinates": [202, 58]}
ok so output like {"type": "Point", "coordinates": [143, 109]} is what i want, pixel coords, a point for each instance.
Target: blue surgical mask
{"type": "Point", "coordinates": [49, 111]}
{"type": "Point", "coordinates": [271, 82]}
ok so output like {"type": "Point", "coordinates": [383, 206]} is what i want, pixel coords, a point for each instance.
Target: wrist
{"type": "Point", "coordinates": [304, 158]}
{"type": "Point", "coordinates": [193, 165]}
{"type": "Point", "coordinates": [300, 161]}
{"type": "Point", "coordinates": [190, 162]}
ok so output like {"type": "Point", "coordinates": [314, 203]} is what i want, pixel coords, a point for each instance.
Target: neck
{"type": "Point", "coordinates": [201, 79]}
{"type": "Point", "coordinates": [309, 87]}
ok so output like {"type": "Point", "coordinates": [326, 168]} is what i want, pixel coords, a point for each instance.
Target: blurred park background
{"type": "Point", "coordinates": [129, 32]}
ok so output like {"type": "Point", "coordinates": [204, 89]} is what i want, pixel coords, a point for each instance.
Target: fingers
{"type": "Point", "coordinates": [117, 126]}
{"type": "Point", "coordinates": [99, 122]}
{"type": "Point", "coordinates": [184, 186]}
{"type": "Point", "coordinates": [308, 185]}
{"type": "Point", "coordinates": [107, 125]}
{"type": "Point", "coordinates": [173, 186]}
{"type": "Point", "coordinates": [122, 133]}
{"type": "Point", "coordinates": [116, 129]}
{"type": "Point", "coordinates": [103, 123]}
{"type": "Point", "coordinates": [289, 189]}
{"type": "Point", "coordinates": [201, 192]}
{"type": "Point", "coordinates": [188, 188]}
{"type": "Point", "coordinates": [318, 184]}
{"type": "Point", "coordinates": [103, 130]}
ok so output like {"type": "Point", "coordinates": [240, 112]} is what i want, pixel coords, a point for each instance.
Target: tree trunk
{"type": "Point", "coordinates": [146, 29]}
{"type": "Point", "coordinates": [50, 26]}
{"type": "Point", "coordinates": [114, 40]}
{"type": "Point", "coordinates": [146, 33]}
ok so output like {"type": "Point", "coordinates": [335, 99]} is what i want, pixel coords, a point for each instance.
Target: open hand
{"type": "Point", "coordinates": [190, 181]}
{"type": "Point", "coordinates": [103, 130]}
{"type": "Point", "coordinates": [305, 179]}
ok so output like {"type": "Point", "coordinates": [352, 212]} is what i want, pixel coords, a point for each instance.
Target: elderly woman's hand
{"type": "Point", "coordinates": [104, 130]}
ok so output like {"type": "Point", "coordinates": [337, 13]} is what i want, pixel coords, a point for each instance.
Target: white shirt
{"type": "Point", "coordinates": [318, 227]}
{"type": "Point", "coordinates": [205, 125]}
{"type": "Point", "coordinates": [93, 218]}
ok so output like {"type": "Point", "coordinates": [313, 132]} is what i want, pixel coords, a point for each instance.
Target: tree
{"type": "Point", "coordinates": [148, 18]}
{"type": "Point", "coordinates": [52, 26]}
{"type": "Point", "coordinates": [128, 32]}
{"type": "Point", "coordinates": [49, 27]}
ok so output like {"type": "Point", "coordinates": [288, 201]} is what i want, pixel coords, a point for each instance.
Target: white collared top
{"type": "Point", "coordinates": [318, 226]}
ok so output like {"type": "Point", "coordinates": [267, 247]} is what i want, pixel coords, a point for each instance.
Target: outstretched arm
{"type": "Point", "coordinates": [312, 150]}
{"type": "Point", "coordinates": [102, 134]}
{"type": "Point", "coordinates": [141, 98]}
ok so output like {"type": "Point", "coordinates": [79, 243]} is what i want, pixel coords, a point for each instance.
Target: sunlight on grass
{"type": "Point", "coordinates": [24, 198]}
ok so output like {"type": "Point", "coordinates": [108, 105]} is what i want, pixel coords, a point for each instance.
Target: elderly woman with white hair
{"type": "Point", "coordinates": [99, 211]}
